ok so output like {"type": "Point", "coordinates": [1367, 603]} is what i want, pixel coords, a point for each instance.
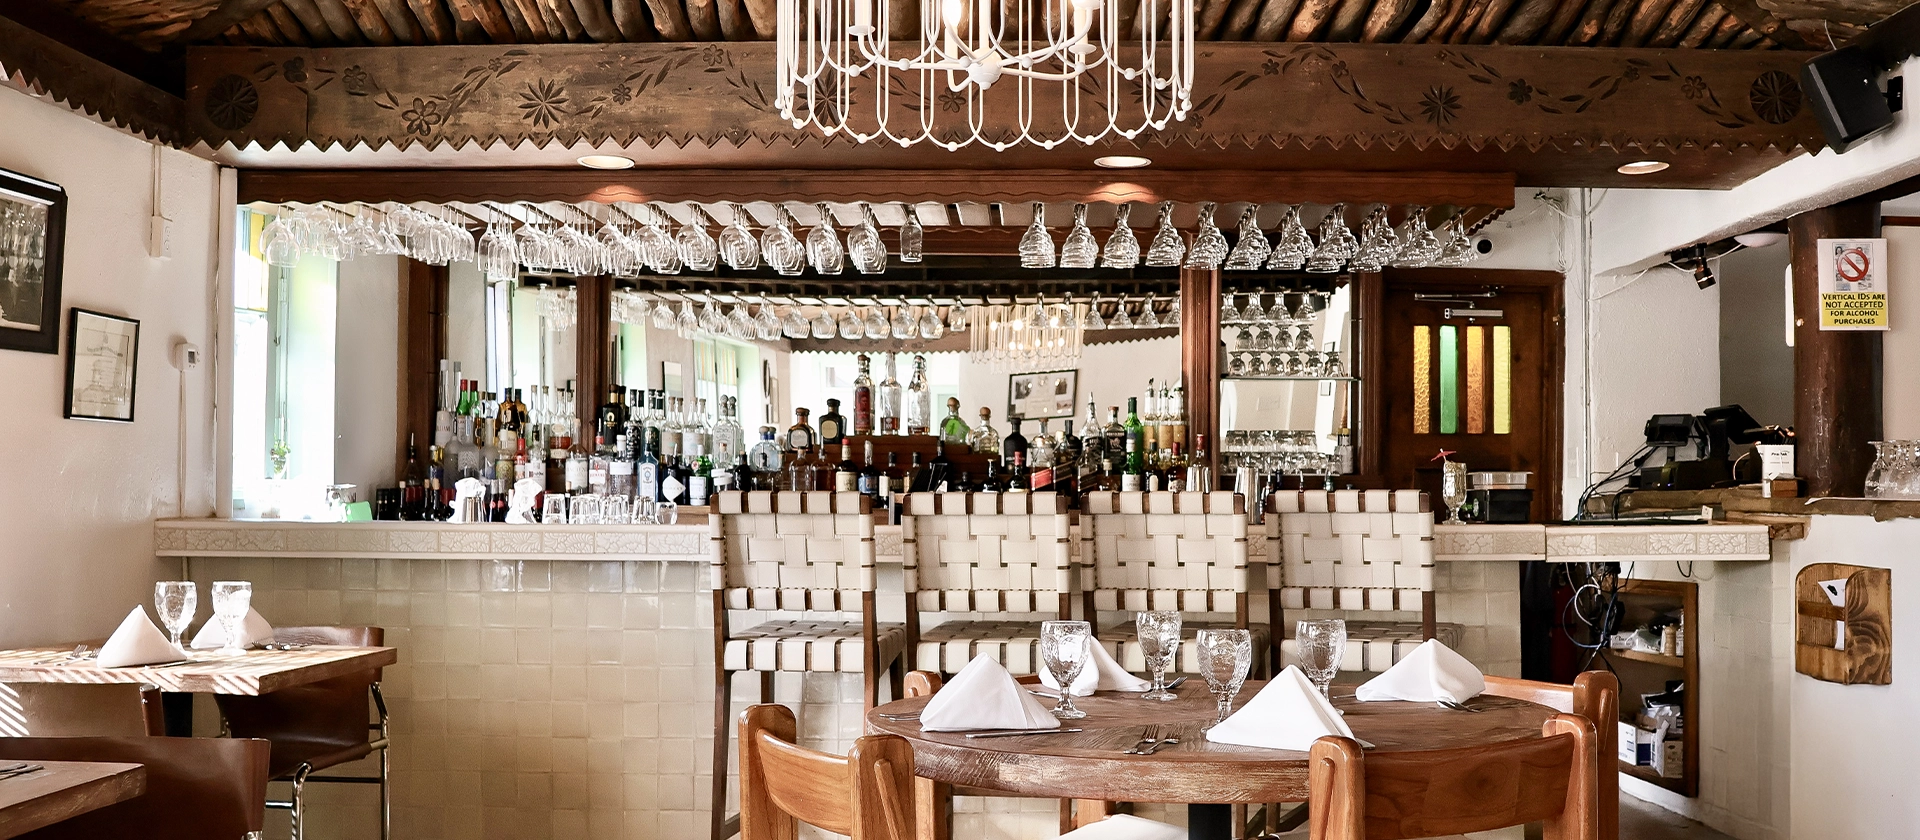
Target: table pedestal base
{"type": "Point", "coordinates": [1209, 822]}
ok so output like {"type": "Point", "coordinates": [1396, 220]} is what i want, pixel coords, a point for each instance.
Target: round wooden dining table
{"type": "Point", "coordinates": [1093, 764]}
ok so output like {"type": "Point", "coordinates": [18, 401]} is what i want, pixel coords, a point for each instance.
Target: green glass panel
{"type": "Point", "coordinates": [1449, 379]}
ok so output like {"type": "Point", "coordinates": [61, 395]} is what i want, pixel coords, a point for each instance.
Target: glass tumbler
{"type": "Point", "coordinates": [1065, 649]}
{"type": "Point", "coordinates": [1159, 632]}
{"type": "Point", "coordinates": [175, 601]}
{"type": "Point", "coordinates": [1225, 656]}
{"type": "Point", "coordinates": [231, 598]}
{"type": "Point", "coordinates": [1323, 642]}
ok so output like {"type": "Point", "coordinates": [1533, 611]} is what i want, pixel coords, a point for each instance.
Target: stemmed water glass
{"type": "Point", "coordinates": [869, 254]}
{"type": "Point", "coordinates": [1251, 251]}
{"type": "Point", "coordinates": [1036, 245]}
{"type": "Point", "coordinates": [1167, 247]}
{"type": "Point", "coordinates": [1225, 656]}
{"type": "Point", "coordinates": [1123, 248]}
{"type": "Point", "coordinates": [823, 244]}
{"type": "Point", "coordinates": [1332, 251]}
{"type": "Point", "coordinates": [697, 248]}
{"type": "Point", "coordinates": [1453, 489]}
{"type": "Point", "coordinates": [1159, 632]}
{"type": "Point", "coordinates": [737, 247]}
{"type": "Point", "coordinates": [1209, 244]}
{"type": "Point", "coordinates": [1323, 642]}
{"type": "Point", "coordinates": [1080, 250]}
{"type": "Point", "coordinates": [1294, 246]}
{"type": "Point", "coordinates": [1066, 647]}
{"type": "Point", "coordinates": [230, 601]}
{"type": "Point", "coordinates": [175, 601]}
{"type": "Point", "coordinates": [781, 248]}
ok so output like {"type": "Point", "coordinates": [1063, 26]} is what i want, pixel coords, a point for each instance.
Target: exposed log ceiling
{"type": "Point", "coordinates": [1737, 24]}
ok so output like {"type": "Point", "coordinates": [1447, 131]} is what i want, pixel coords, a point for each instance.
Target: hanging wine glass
{"type": "Point", "coordinates": [765, 325]}
{"type": "Point", "coordinates": [823, 244]}
{"type": "Point", "coordinates": [932, 326]}
{"type": "Point", "coordinates": [1331, 253]}
{"type": "Point", "coordinates": [1252, 250]}
{"type": "Point", "coordinates": [1209, 244]}
{"type": "Point", "coordinates": [875, 325]}
{"type": "Point", "coordinates": [780, 247]}
{"type": "Point", "coordinates": [1167, 247]}
{"type": "Point", "coordinates": [852, 327]}
{"type": "Point", "coordinates": [864, 247]}
{"type": "Point", "coordinates": [737, 246]}
{"type": "Point", "coordinates": [1459, 249]}
{"type": "Point", "coordinates": [1303, 314]}
{"type": "Point", "coordinates": [696, 246]}
{"type": "Point", "coordinates": [1080, 250]}
{"type": "Point", "coordinates": [912, 236]}
{"type": "Point", "coordinates": [1294, 246]}
{"type": "Point", "coordinates": [904, 324]}
{"type": "Point", "coordinates": [795, 324]}
{"type": "Point", "coordinates": [662, 316]}
{"type": "Point", "coordinates": [1095, 321]}
{"type": "Point", "coordinates": [957, 317]}
{"type": "Point", "coordinates": [823, 324]}
{"type": "Point", "coordinates": [739, 325]}
{"type": "Point", "coordinates": [1173, 318]}
{"type": "Point", "coordinates": [1121, 320]}
{"type": "Point", "coordinates": [1149, 320]}
{"type": "Point", "coordinates": [711, 321]}
{"type": "Point", "coordinates": [1228, 312]}
{"type": "Point", "coordinates": [1419, 247]}
{"type": "Point", "coordinates": [1036, 245]}
{"type": "Point", "coordinates": [684, 322]}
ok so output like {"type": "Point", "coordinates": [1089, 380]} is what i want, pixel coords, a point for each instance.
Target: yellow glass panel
{"type": "Point", "coordinates": [1422, 380]}
{"type": "Point", "coordinates": [1502, 380]}
{"type": "Point", "coordinates": [1476, 380]}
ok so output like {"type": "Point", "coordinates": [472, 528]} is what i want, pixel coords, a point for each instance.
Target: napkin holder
{"type": "Point", "coordinates": [1865, 619]}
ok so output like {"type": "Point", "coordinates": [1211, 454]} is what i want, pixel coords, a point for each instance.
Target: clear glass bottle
{"type": "Point", "coordinates": [985, 439]}
{"type": "Point", "coordinates": [765, 461]}
{"type": "Point", "coordinates": [862, 398]}
{"type": "Point", "coordinates": [919, 407]}
{"type": "Point", "coordinates": [1041, 447]}
{"type": "Point", "coordinates": [1093, 442]}
{"type": "Point", "coordinates": [954, 429]}
{"type": "Point", "coordinates": [887, 403]}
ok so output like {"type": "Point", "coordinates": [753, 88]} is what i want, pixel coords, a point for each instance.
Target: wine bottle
{"type": "Point", "coordinates": [1134, 444]}
{"type": "Point", "coordinates": [862, 398]}
{"type": "Point", "coordinates": [700, 485]}
{"type": "Point", "coordinates": [845, 475]}
{"type": "Point", "coordinates": [868, 479]}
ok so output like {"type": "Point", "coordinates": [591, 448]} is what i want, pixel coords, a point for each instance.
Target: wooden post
{"type": "Point", "coordinates": [423, 343]}
{"type": "Point", "coordinates": [594, 343]}
{"type": "Point", "coordinates": [1836, 374]}
{"type": "Point", "coordinates": [1199, 358]}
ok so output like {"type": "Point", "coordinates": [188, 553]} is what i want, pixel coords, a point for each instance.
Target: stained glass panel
{"type": "Point", "coordinates": [1502, 380]}
{"type": "Point", "coordinates": [1422, 380]}
{"type": "Point", "coordinates": [1476, 380]}
{"type": "Point", "coordinates": [1449, 379]}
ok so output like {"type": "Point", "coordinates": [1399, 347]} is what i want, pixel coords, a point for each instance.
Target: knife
{"type": "Point", "coordinates": [1018, 732]}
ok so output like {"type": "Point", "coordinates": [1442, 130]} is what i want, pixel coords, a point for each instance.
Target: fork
{"type": "Point", "coordinates": [1149, 736]}
{"type": "Point", "coordinates": [1459, 707]}
{"type": "Point", "coordinates": [79, 652]}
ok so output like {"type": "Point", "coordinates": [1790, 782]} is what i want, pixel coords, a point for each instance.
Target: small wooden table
{"type": "Point", "coordinates": [255, 673]}
{"type": "Point", "coordinates": [63, 790]}
{"type": "Point", "coordinates": [1091, 764]}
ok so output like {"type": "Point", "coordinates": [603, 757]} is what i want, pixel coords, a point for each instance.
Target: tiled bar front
{"type": "Point", "coordinates": [557, 681]}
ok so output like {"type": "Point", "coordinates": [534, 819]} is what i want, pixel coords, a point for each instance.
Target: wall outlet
{"type": "Point", "coordinates": [185, 355]}
{"type": "Point", "coordinates": [159, 237]}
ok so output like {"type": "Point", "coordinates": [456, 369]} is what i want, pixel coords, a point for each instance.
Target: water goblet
{"type": "Point", "coordinates": [175, 601]}
{"type": "Point", "coordinates": [1323, 642]}
{"type": "Point", "coordinates": [230, 601]}
{"type": "Point", "coordinates": [1225, 656]}
{"type": "Point", "coordinates": [1453, 489]}
{"type": "Point", "coordinates": [1237, 364]}
{"type": "Point", "coordinates": [1159, 632]}
{"type": "Point", "coordinates": [1066, 647]}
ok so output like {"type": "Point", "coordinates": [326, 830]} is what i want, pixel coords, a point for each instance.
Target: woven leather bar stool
{"type": "Point", "coordinates": [1356, 551]}
{"type": "Point", "coordinates": [1167, 551]}
{"type": "Point", "coordinates": [985, 553]}
{"type": "Point", "coordinates": [806, 553]}
{"type": "Point", "coordinates": [319, 725]}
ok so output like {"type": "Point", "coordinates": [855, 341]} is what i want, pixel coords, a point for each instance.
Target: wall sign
{"type": "Point", "coordinates": [1853, 284]}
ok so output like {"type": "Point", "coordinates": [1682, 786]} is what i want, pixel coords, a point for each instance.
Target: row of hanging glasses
{"type": "Point", "coordinates": [330, 233]}
{"type": "Point", "coordinates": [1277, 342]}
{"type": "Point", "coordinates": [1412, 244]}
{"type": "Point", "coordinates": [1281, 451]}
{"type": "Point", "coordinates": [766, 320]}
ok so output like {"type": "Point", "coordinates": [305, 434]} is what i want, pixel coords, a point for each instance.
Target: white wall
{"type": "Point", "coordinates": [79, 497]}
{"type": "Point", "coordinates": [366, 359]}
{"type": "Point", "coordinates": [1853, 744]}
{"type": "Point", "coordinates": [1900, 389]}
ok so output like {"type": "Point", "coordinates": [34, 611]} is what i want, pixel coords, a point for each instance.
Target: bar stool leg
{"type": "Point", "coordinates": [386, 794]}
{"type": "Point", "coordinates": [722, 731]}
{"type": "Point", "coordinates": [299, 801]}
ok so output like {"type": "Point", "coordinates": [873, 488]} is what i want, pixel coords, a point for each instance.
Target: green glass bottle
{"type": "Point", "coordinates": [1136, 444]}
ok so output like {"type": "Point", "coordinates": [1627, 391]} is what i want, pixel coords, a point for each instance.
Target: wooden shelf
{"type": "Point", "coordinates": [1654, 658]}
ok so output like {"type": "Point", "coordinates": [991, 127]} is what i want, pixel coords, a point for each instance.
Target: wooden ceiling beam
{"type": "Point", "coordinates": [61, 26]}
{"type": "Point", "coordinates": [68, 75]}
{"type": "Point", "coordinates": [227, 14]}
{"type": "Point", "coordinates": [1762, 21]}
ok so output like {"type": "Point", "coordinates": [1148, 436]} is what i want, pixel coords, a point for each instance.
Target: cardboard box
{"type": "Point", "coordinates": [1637, 745]}
{"type": "Point", "coordinates": [1670, 761]}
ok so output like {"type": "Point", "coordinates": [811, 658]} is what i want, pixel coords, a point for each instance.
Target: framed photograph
{"type": "Point", "coordinates": [33, 225]}
{"type": "Point", "coordinates": [1043, 395]}
{"type": "Point", "coordinates": [103, 365]}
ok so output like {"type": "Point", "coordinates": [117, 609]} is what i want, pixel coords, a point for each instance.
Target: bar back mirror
{"type": "Point", "coordinates": [1288, 383]}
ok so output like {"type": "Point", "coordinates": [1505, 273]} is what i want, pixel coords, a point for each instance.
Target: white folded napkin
{"type": "Point", "coordinates": [984, 696]}
{"type": "Point", "coordinates": [255, 630]}
{"type": "Point", "coordinates": [138, 642]}
{"type": "Point", "coordinates": [1287, 714]}
{"type": "Point", "coordinates": [1105, 675]}
{"type": "Point", "coordinates": [1431, 673]}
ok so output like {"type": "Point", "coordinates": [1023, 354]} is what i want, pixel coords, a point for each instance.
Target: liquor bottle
{"type": "Point", "coordinates": [1040, 449]}
{"type": "Point", "coordinates": [801, 435]}
{"type": "Point", "coordinates": [647, 475]}
{"type": "Point", "coordinates": [889, 481]}
{"type": "Point", "coordinates": [1342, 451]}
{"type": "Point", "coordinates": [1199, 474]}
{"type": "Point", "coordinates": [610, 421]}
{"type": "Point", "coordinates": [1093, 443]}
{"type": "Point", "coordinates": [953, 429]}
{"type": "Point", "coordinates": [846, 476]}
{"type": "Point", "coordinates": [413, 485]}
{"type": "Point", "coordinates": [1019, 478]}
{"type": "Point", "coordinates": [1150, 421]}
{"type": "Point", "coordinates": [862, 398]}
{"type": "Point", "coordinates": [887, 402]}
{"type": "Point", "coordinates": [802, 474]}
{"type": "Point", "coordinates": [654, 438]}
{"type": "Point", "coordinates": [1064, 476]}
{"type": "Point", "coordinates": [507, 425]}
{"type": "Point", "coordinates": [1015, 443]}
{"type": "Point", "coordinates": [833, 425]}
{"type": "Point", "coordinates": [576, 471]}
{"type": "Point", "coordinates": [462, 455]}
{"type": "Point", "coordinates": [1115, 437]}
{"type": "Point", "coordinates": [919, 407]}
{"type": "Point", "coordinates": [1177, 411]}
{"type": "Point", "coordinates": [598, 470]}
{"type": "Point", "coordinates": [763, 462]}
{"type": "Point", "coordinates": [918, 480]}
{"type": "Point", "coordinates": [496, 497]}
{"type": "Point", "coordinates": [868, 479]}
{"type": "Point", "coordinates": [437, 484]}
{"type": "Point", "coordinates": [675, 479]}
{"type": "Point", "coordinates": [623, 475]}
{"type": "Point", "coordinates": [985, 439]}
{"type": "Point", "coordinates": [1134, 444]}
{"type": "Point", "coordinates": [633, 435]}
{"type": "Point", "coordinates": [534, 467]}
{"type": "Point", "coordinates": [939, 470]}
{"type": "Point", "coordinates": [703, 428]}
{"type": "Point", "coordinates": [700, 486]}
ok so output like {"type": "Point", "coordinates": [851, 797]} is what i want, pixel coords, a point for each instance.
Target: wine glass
{"type": "Point", "coordinates": [1294, 246]}
{"type": "Point", "coordinates": [1209, 244]}
{"type": "Point", "coordinates": [1453, 489]}
{"type": "Point", "coordinates": [175, 601]}
{"type": "Point", "coordinates": [1036, 245]}
{"type": "Point", "coordinates": [1080, 250]}
{"type": "Point", "coordinates": [1159, 632]}
{"type": "Point", "coordinates": [1251, 250]}
{"type": "Point", "coordinates": [1066, 647]}
{"type": "Point", "coordinates": [1225, 656]}
{"type": "Point", "coordinates": [1323, 643]}
{"type": "Point", "coordinates": [1123, 248]}
{"type": "Point", "coordinates": [912, 237]}
{"type": "Point", "coordinates": [864, 247]}
{"type": "Point", "coordinates": [696, 247]}
{"type": "Point", "coordinates": [1167, 246]}
{"type": "Point", "coordinates": [230, 601]}
{"type": "Point", "coordinates": [780, 247]}
{"type": "Point", "coordinates": [737, 246]}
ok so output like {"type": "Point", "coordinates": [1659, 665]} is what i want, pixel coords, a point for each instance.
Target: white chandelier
{"type": "Point", "coordinates": [1075, 75]}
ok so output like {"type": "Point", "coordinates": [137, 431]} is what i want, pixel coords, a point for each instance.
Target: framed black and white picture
{"type": "Point", "coordinates": [33, 223]}
{"type": "Point", "coordinates": [1042, 395]}
{"type": "Point", "coordinates": [103, 365]}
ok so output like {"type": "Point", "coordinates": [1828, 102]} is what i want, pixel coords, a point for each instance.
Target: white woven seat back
{"type": "Point", "coordinates": [987, 552]}
{"type": "Point", "coordinates": [792, 551]}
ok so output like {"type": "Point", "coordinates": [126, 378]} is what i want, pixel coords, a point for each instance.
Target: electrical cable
{"type": "Point", "coordinates": [1619, 472]}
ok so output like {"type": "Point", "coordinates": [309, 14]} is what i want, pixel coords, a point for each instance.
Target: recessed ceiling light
{"type": "Point", "coordinates": [1643, 167]}
{"type": "Point", "coordinates": [1122, 162]}
{"type": "Point", "coordinates": [606, 162]}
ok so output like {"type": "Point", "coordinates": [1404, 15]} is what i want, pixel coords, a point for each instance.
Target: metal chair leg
{"type": "Point", "coordinates": [299, 802]}
{"type": "Point", "coordinates": [386, 796]}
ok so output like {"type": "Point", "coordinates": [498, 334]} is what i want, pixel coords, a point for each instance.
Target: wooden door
{"type": "Point", "coordinates": [1469, 361]}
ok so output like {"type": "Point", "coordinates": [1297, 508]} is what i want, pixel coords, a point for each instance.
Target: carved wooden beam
{"type": "Point", "coordinates": [222, 18]}
{"type": "Point", "coordinates": [1312, 96]}
{"type": "Point", "coordinates": [812, 185]}
{"type": "Point", "coordinates": [36, 62]}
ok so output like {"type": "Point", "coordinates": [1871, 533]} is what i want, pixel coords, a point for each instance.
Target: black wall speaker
{"type": "Point", "coordinates": [1846, 98]}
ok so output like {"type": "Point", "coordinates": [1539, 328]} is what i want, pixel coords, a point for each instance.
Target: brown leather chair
{"type": "Point", "coordinates": [197, 788]}
{"type": "Point", "coordinates": [56, 710]}
{"type": "Point", "coordinates": [319, 725]}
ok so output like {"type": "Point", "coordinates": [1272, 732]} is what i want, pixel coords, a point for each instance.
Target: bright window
{"type": "Point", "coordinates": [283, 381]}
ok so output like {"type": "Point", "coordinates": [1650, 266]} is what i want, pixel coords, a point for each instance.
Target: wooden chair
{"type": "Point", "coordinates": [1396, 795]}
{"type": "Point", "coordinates": [1594, 695]}
{"type": "Point", "coordinates": [197, 788]}
{"type": "Point", "coordinates": [1355, 551]}
{"type": "Point", "coordinates": [794, 552]}
{"type": "Point", "coordinates": [1166, 551]}
{"type": "Point", "coordinates": [868, 795]}
{"type": "Point", "coordinates": [985, 553]}
{"type": "Point", "coordinates": [319, 725]}
{"type": "Point", "coordinates": [59, 710]}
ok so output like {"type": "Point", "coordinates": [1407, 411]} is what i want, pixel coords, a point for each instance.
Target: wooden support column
{"type": "Point", "coordinates": [593, 334]}
{"type": "Point", "coordinates": [1836, 374]}
{"type": "Point", "coordinates": [1200, 358]}
{"type": "Point", "coordinates": [423, 343]}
